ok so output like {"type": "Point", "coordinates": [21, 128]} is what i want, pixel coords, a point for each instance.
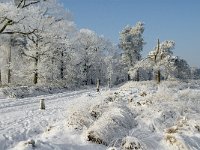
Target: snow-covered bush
{"type": "Point", "coordinates": [80, 116]}
{"type": "Point", "coordinates": [84, 115]}
{"type": "Point", "coordinates": [96, 110]}
{"type": "Point", "coordinates": [166, 119]}
{"type": "Point", "coordinates": [113, 124]}
{"type": "Point", "coordinates": [25, 91]}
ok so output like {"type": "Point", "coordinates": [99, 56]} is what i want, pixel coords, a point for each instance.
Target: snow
{"type": "Point", "coordinates": [21, 120]}
{"type": "Point", "coordinates": [136, 115]}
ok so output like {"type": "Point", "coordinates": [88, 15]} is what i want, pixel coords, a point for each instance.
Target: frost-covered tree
{"type": "Point", "coordinates": [161, 57]}
{"type": "Point", "coordinates": [6, 48]}
{"type": "Point", "coordinates": [181, 68]}
{"type": "Point", "coordinates": [12, 15]}
{"type": "Point", "coordinates": [145, 67]}
{"type": "Point", "coordinates": [40, 34]}
{"type": "Point", "coordinates": [161, 64]}
{"type": "Point", "coordinates": [195, 73]}
{"type": "Point", "coordinates": [131, 41]}
{"type": "Point", "coordinates": [45, 47]}
{"type": "Point", "coordinates": [91, 49]}
{"type": "Point", "coordinates": [12, 23]}
{"type": "Point", "coordinates": [116, 72]}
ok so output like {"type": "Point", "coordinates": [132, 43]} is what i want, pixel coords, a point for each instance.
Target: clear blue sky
{"type": "Point", "coordinates": [177, 20]}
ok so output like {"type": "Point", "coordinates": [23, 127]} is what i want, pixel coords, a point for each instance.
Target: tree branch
{"type": "Point", "coordinates": [23, 53]}
{"type": "Point", "coordinates": [19, 32]}
{"type": "Point", "coordinates": [8, 23]}
{"type": "Point", "coordinates": [22, 3]}
{"type": "Point", "coordinates": [31, 3]}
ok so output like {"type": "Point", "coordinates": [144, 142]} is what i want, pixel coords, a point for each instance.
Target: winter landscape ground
{"type": "Point", "coordinates": [66, 87]}
{"type": "Point", "coordinates": [135, 115]}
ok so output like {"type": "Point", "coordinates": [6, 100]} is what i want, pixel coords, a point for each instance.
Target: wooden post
{"type": "Point", "coordinates": [42, 104]}
{"type": "Point", "coordinates": [98, 83]}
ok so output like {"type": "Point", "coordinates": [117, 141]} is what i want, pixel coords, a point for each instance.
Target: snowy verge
{"type": "Point", "coordinates": [144, 115]}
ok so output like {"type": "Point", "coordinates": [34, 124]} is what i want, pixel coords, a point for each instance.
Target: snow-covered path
{"type": "Point", "coordinates": [22, 120]}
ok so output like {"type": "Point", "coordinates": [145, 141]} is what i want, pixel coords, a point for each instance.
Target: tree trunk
{"type": "Point", "coordinates": [149, 76]}
{"type": "Point", "coordinates": [85, 81]}
{"type": "Point", "coordinates": [155, 57]}
{"type": "Point", "coordinates": [98, 83]}
{"type": "Point", "coordinates": [9, 61]}
{"type": "Point", "coordinates": [35, 78]}
{"type": "Point", "coordinates": [9, 76]}
{"type": "Point", "coordinates": [158, 76]}
{"type": "Point", "coordinates": [0, 78]}
{"type": "Point", "coordinates": [157, 52]}
{"type": "Point", "coordinates": [52, 72]}
{"type": "Point", "coordinates": [129, 78]}
{"type": "Point", "coordinates": [86, 72]}
{"type": "Point", "coordinates": [62, 66]}
{"type": "Point", "coordinates": [137, 75]}
{"type": "Point", "coordinates": [158, 72]}
{"type": "Point", "coordinates": [109, 82]}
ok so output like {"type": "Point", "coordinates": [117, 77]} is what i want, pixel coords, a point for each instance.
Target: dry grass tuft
{"type": "Point", "coordinates": [130, 143]}
{"type": "Point", "coordinates": [143, 94]}
{"type": "Point", "coordinates": [93, 137]}
{"type": "Point", "coordinates": [172, 130]}
{"type": "Point", "coordinates": [171, 139]}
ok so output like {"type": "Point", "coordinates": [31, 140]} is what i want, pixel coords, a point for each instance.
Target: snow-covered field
{"type": "Point", "coordinates": [136, 115]}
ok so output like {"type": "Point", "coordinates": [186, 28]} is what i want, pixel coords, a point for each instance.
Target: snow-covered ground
{"type": "Point", "coordinates": [136, 115]}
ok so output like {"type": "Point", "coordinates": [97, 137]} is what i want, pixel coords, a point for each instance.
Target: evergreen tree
{"type": "Point", "coordinates": [131, 41]}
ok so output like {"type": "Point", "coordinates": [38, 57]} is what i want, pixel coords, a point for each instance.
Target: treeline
{"type": "Point", "coordinates": [43, 46]}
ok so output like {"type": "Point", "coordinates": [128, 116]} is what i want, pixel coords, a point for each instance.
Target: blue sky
{"type": "Point", "coordinates": [177, 20]}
